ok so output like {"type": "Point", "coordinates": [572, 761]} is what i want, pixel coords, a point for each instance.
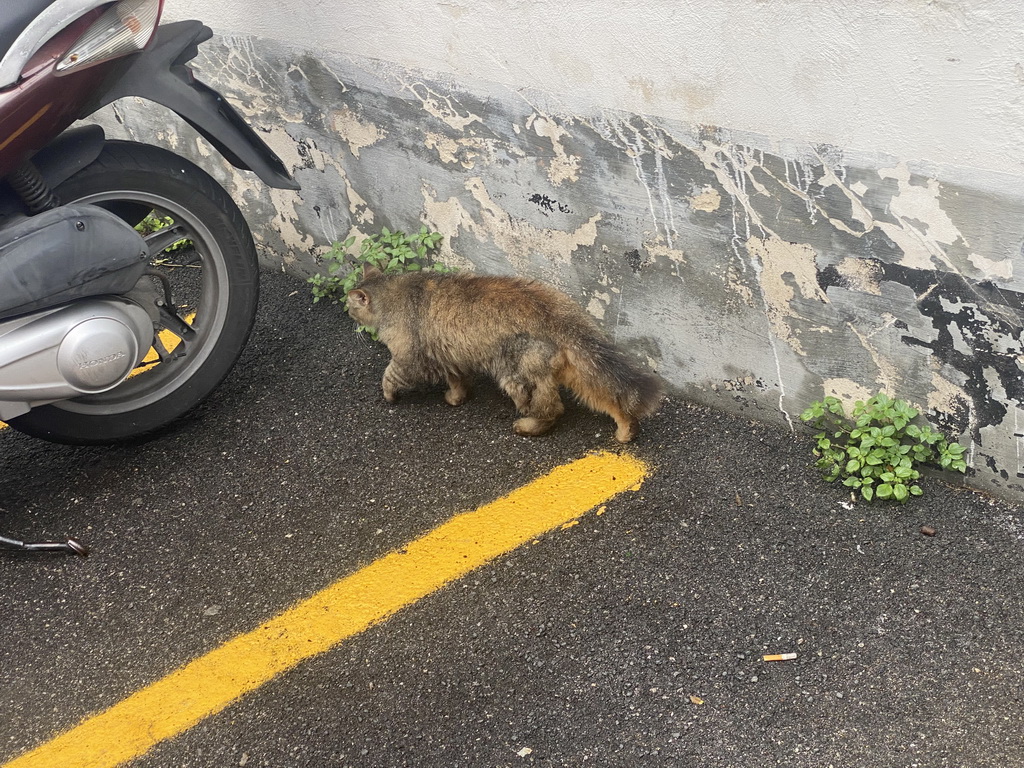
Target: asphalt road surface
{"type": "Point", "coordinates": [635, 637]}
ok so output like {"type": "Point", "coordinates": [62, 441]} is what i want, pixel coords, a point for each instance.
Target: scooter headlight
{"type": "Point", "coordinates": [122, 29]}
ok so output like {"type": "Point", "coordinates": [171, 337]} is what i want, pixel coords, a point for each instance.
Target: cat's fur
{"type": "Point", "coordinates": [529, 337]}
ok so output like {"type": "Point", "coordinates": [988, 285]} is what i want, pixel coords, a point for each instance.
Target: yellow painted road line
{"type": "Point", "coordinates": [210, 683]}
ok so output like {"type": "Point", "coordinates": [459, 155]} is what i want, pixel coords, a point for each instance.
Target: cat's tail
{"type": "Point", "coordinates": [605, 379]}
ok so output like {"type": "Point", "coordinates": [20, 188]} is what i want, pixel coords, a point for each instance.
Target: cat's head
{"type": "Point", "coordinates": [359, 301]}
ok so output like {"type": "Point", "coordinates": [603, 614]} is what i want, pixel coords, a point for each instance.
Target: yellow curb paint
{"type": "Point", "coordinates": [210, 683]}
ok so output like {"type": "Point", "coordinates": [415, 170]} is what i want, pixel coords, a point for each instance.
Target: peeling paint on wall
{"type": "Point", "coordinates": [355, 132]}
{"type": "Point", "coordinates": [787, 270]}
{"type": "Point", "coordinates": [818, 270]}
{"type": "Point", "coordinates": [519, 240]}
{"type": "Point", "coordinates": [562, 167]}
{"type": "Point", "coordinates": [707, 200]}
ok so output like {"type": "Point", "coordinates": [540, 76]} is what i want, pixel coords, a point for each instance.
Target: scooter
{"type": "Point", "coordinates": [128, 277]}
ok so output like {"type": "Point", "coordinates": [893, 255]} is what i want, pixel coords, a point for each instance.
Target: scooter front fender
{"type": "Point", "coordinates": [159, 74]}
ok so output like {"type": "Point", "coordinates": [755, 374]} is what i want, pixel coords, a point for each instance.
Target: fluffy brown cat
{"type": "Point", "coordinates": [529, 337]}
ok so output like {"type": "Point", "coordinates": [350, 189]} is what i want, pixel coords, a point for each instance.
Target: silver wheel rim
{"type": "Point", "coordinates": [162, 379]}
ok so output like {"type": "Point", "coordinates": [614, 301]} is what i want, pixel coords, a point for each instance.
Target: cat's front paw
{"type": "Point", "coordinates": [457, 396]}
{"type": "Point", "coordinates": [531, 427]}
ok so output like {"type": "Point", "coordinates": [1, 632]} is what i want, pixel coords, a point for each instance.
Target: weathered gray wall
{"type": "Point", "coordinates": [754, 274]}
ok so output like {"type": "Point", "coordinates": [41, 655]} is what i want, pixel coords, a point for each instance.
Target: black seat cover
{"type": "Point", "coordinates": [15, 16]}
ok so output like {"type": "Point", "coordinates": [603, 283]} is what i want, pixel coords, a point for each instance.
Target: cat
{"type": "Point", "coordinates": [526, 335]}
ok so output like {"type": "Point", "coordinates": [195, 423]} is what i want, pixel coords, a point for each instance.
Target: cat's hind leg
{"type": "Point", "coordinates": [459, 389]}
{"type": "Point", "coordinates": [526, 374]}
{"type": "Point", "coordinates": [542, 408]}
{"type": "Point", "coordinates": [597, 397]}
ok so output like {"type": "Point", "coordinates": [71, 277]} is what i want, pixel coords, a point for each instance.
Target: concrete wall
{"type": "Point", "coordinates": [766, 201]}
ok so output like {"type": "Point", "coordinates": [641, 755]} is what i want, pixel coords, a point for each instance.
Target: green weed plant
{"type": "Point", "coordinates": [878, 450]}
{"type": "Point", "coordinates": [154, 223]}
{"type": "Point", "coordinates": [390, 252]}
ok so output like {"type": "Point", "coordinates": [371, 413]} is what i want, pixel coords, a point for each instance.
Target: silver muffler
{"type": "Point", "coordinates": [83, 348]}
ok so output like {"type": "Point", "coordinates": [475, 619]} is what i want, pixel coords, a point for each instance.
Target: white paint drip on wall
{"type": "Point", "coordinates": [636, 143]}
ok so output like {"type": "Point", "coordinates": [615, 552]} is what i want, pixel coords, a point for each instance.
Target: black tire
{"type": "Point", "coordinates": [217, 279]}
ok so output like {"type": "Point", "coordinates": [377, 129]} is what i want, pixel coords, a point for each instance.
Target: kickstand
{"type": "Point", "coordinates": [72, 546]}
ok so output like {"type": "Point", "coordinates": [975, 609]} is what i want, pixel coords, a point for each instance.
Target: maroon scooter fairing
{"type": "Point", "coordinates": [128, 276]}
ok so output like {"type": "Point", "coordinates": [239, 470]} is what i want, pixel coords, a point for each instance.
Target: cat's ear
{"type": "Point", "coordinates": [358, 298]}
{"type": "Point", "coordinates": [369, 272]}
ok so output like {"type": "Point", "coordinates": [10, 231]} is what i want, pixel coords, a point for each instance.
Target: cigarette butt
{"type": "Point", "coordinates": [778, 657]}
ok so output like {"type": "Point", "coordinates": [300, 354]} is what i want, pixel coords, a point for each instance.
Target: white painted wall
{"type": "Point", "coordinates": [662, 162]}
{"type": "Point", "coordinates": [934, 81]}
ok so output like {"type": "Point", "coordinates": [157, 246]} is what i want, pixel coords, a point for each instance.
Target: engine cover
{"type": "Point", "coordinates": [79, 349]}
{"type": "Point", "coordinates": [97, 354]}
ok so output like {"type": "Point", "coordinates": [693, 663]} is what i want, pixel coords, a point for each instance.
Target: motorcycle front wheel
{"type": "Point", "coordinates": [201, 245]}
